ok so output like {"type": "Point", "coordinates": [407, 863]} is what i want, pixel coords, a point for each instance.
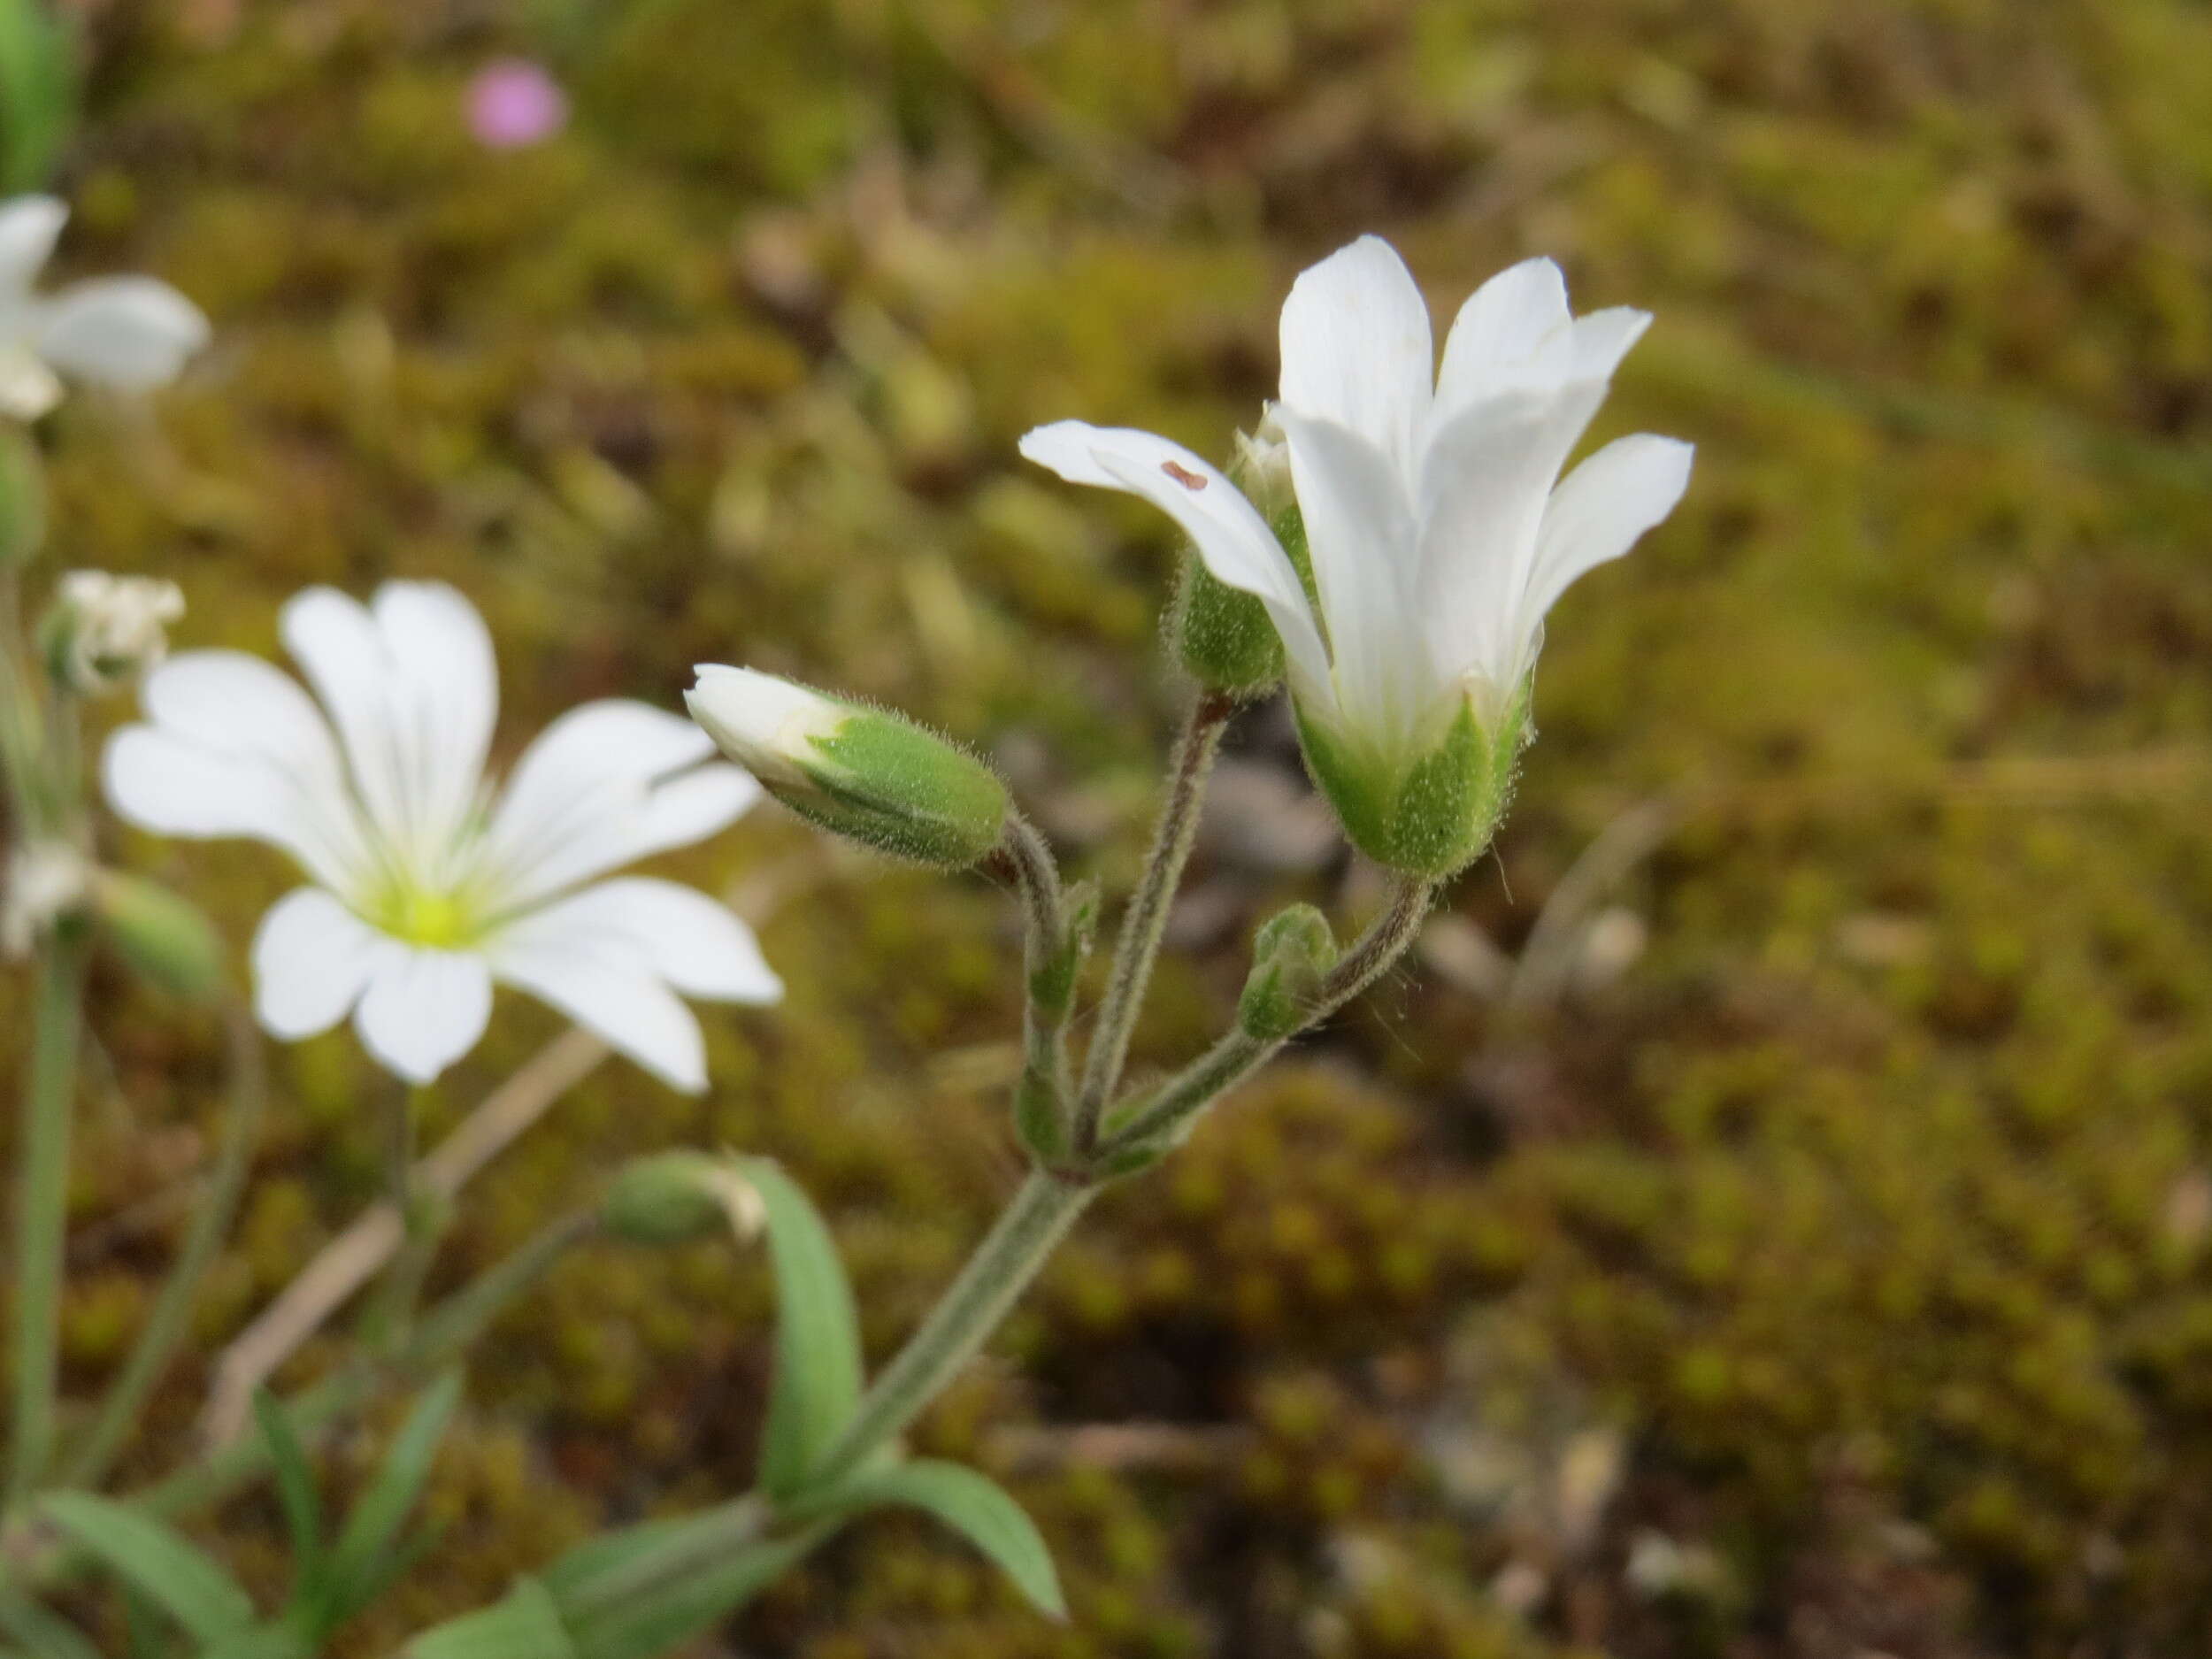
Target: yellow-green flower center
{"type": "Point", "coordinates": [436, 921]}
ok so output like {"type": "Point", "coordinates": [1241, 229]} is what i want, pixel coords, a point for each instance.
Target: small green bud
{"type": "Point", "coordinates": [861, 773]}
{"type": "Point", "coordinates": [1224, 637]}
{"type": "Point", "coordinates": [103, 631]}
{"type": "Point", "coordinates": [1429, 814]}
{"type": "Point", "coordinates": [1291, 955]}
{"type": "Point", "coordinates": [22, 497]}
{"type": "Point", "coordinates": [159, 933]}
{"type": "Point", "coordinates": [676, 1197]}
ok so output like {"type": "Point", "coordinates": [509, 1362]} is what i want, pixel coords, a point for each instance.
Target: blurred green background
{"type": "Point", "coordinates": [1797, 1244]}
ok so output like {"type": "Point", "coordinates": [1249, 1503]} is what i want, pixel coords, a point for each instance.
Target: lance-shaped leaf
{"type": "Point", "coordinates": [817, 1335]}
{"type": "Point", "coordinates": [972, 1505]}
{"type": "Point", "coordinates": [526, 1625]}
{"type": "Point", "coordinates": [296, 1490]}
{"type": "Point", "coordinates": [360, 1565]}
{"type": "Point", "coordinates": [189, 1587]}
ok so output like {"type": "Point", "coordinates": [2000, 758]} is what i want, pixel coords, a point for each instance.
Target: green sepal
{"type": "Point", "coordinates": [888, 782]}
{"type": "Point", "coordinates": [1433, 815]}
{"type": "Point", "coordinates": [1222, 636]}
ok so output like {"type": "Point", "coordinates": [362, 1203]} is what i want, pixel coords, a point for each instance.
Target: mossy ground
{"type": "Point", "coordinates": [1838, 1282]}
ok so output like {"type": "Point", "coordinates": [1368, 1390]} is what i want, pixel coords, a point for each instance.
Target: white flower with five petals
{"type": "Point", "coordinates": [1437, 525]}
{"type": "Point", "coordinates": [426, 887]}
{"type": "Point", "coordinates": [129, 332]}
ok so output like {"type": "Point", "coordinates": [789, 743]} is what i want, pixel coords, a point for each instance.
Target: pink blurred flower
{"type": "Point", "coordinates": [512, 103]}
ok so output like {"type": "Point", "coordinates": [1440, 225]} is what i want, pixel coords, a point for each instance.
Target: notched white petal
{"type": "Point", "coordinates": [424, 1009]}
{"type": "Point", "coordinates": [312, 958]}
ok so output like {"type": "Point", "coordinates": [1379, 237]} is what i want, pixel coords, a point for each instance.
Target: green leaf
{"type": "Point", "coordinates": [818, 1334]}
{"type": "Point", "coordinates": [972, 1505]}
{"type": "Point", "coordinates": [191, 1588]}
{"type": "Point", "coordinates": [602, 1572]}
{"type": "Point", "coordinates": [296, 1489]}
{"type": "Point", "coordinates": [38, 94]}
{"type": "Point", "coordinates": [526, 1625]}
{"type": "Point", "coordinates": [44, 1635]}
{"type": "Point", "coordinates": [374, 1523]}
{"type": "Point", "coordinates": [648, 1626]}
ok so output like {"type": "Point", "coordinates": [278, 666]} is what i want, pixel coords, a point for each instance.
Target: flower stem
{"type": "Point", "coordinates": [43, 1204]}
{"type": "Point", "coordinates": [1168, 1114]}
{"type": "Point", "coordinates": [1051, 955]}
{"type": "Point", "coordinates": [1139, 943]}
{"type": "Point", "coordinates": [1038, 1217]}
{"type": "Point", "coordinates": [165, 1326]}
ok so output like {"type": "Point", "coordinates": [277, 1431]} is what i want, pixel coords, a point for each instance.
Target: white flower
{"type": "Point", "coordinates": [130, 333]}
{"type": "Point", "coordinates": [1439, 530]}
{"type": "Point", "coordinates": [105, 631]}
{"type": "Point", "coordinates": [46, 881]}
{"type": "Point", "coordinates": [426, 887]}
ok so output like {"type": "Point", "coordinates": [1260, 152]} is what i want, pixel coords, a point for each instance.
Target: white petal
{"type": "Point", "coordinates": [1503, 322]}
{"type": "Point", "coordinates": [606, 785]}
{"type": "Point", "coordinates": [312, 958]}
{"type": "Point", "coordinates": [29, 226]}
{"type": "Point", "coordinates": [1601, 509]}
{"type": "Point", "coordinates": [673, 932]}
{"type": "Point", "coordinates": [1490, 471]}
{"type": "Point", "coordinates": [1603, 338]}
{"type": "Point", "coordinates": [446, 685]}
{"type": "Point", "coordinates": [269, 766]}
{"type": "Point", "coordinates": [1356, 348]}
{"type": "Point", "coordinates": [603, 980]}
{"type": "Point", "coordinates": [28, 387]}
{"type": "Point", "coordinates": [424, 1009]}
{"type": "Point", "coordinates": [130, 333]}
{"type": "Point", "coordinates": [412, 690]}
{"type": "Point", "coordinates": [1361, 534]}
{"type": "Point", "coordinates": [1231, 537]}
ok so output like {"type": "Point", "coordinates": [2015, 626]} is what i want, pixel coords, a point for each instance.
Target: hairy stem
{"type": "Point", "coordinates": [1051, 953]}
{"type": "Point", "coordinates": [1168, 1113]}
{"type": "Point", "coordinates": [1001, 1269]}
{"type": "Point", "coordinates": [165, 1326]}
{"type": "Point", "coordinates": [42, 1203]}
{"type": "Point", "coordinates": [1139, 943]}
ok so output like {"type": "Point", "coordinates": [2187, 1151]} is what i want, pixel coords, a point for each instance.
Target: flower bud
{"type": "Point", "coordinates": [22, 498]}
{"type": "Point", "coordinates": [1430, 813]}
{"type": "Point", "coordinates": [1224, 637]}
{"type": "Point", "coordinates": [1291, 955]}
{"type": "Point", "coordinates": [677, 1197]}
{"type": "Point", "coordinates": [159, 933]}
{"type": "Point", "coordinates": [103, 631]}
{"type": "Point", "coordinates": [47, 883]}
{"type": "Point", "coordinates": [857, 771]}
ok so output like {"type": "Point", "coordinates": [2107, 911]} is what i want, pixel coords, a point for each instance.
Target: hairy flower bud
{"type": "Point", "coordinates": [102, 630]}
{"type": "Point", "coordinates": [165, 939]}
{"type": "Point", "coordinates": [1291, 955]}
{"type": "Point", "coordinates": [861, 773]}
{"type": "Point", "coordinates": [677, 1197]}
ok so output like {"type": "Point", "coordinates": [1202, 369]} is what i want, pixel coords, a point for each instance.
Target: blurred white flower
{"type": "Point", "coordinates": [1439, 527]}
{"type": "Point", "coordinates": [105, 631]}
{"type": "Point", "coordinates": [46, 881]}
{"type": "Point", "coordinates": [427, 886]}
{"type": "Point", "coordinates": [130, 333]}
